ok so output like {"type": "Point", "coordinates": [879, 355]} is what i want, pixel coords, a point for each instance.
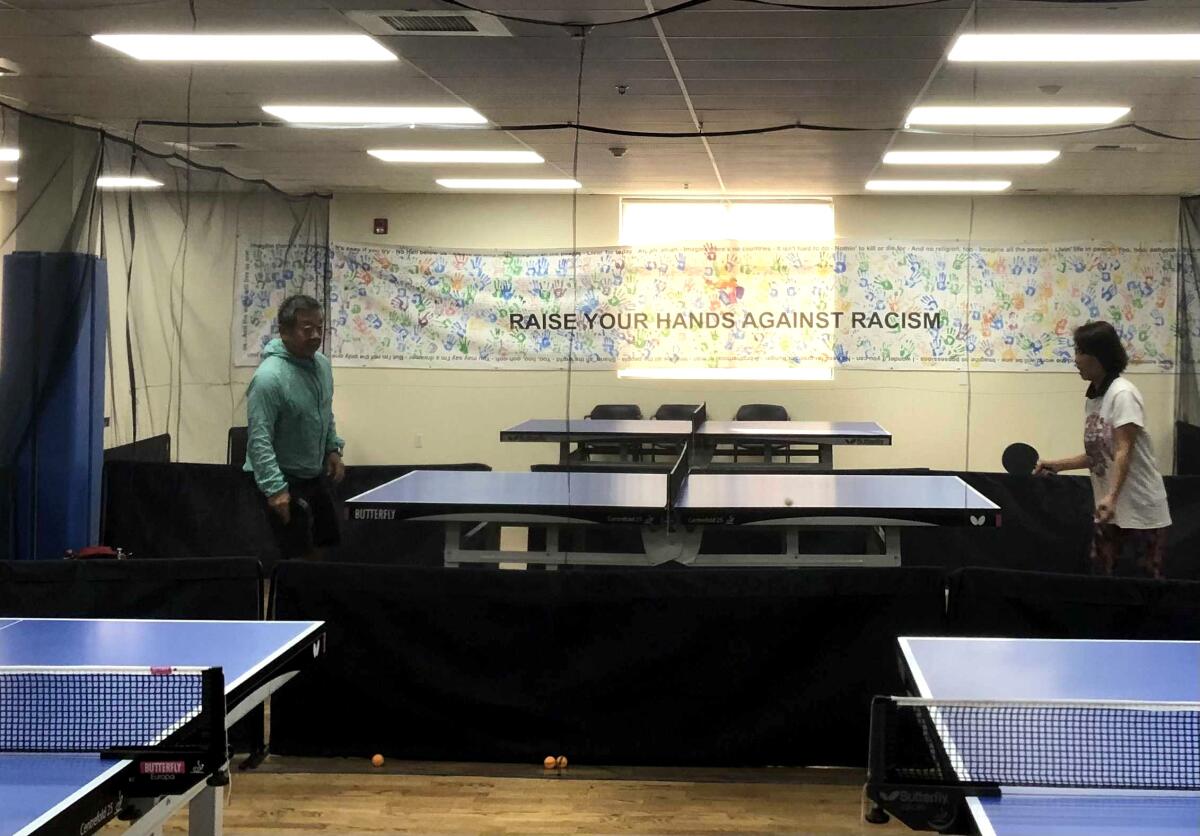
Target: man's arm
{"type": "Point", "coordinates": [333, 444]}
{"type": "Point", "coordinates": [262, 410]}
{"type": "Point", "coordinates": [334, 468]}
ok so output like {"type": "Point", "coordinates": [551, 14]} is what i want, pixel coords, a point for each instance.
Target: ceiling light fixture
{"type": "Point", "coordinates": [375, 116]}
{"type": "Point", "coordinates": [511, 184]}
{"type": "Point", "coordinates": [969, 157]}
{"type": "Point", "coordinates": [447, 155]}
{"type": "Point", "coordinates": [937, 185]}
{"type": "Point", "coordinates": [296, 48]}
{"type": "Point", "coordinates": [1066, 48]}
{"type": "Point", "coordinates": [127, 183]}
{"type": "Point", "coordinates": [10, 155]}
{"type": "Point", "coordinates": [1015, 115]}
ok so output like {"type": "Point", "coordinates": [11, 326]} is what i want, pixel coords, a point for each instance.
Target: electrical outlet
{"type": "Point", "coordinates": [418, 440]}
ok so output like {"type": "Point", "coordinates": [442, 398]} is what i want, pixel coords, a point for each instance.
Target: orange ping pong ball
{"type": "Point", "coordinates": [562, 762]}
{"type": "Point", "coordinates": [549, 762]}
{"type": "Point", "coordinates": [787, 500]}
{"type": "Point", "coordinates": [377, 760]}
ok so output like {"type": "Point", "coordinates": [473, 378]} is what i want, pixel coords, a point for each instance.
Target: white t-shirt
{"type": "Point", "coordinates": [1142, 502]}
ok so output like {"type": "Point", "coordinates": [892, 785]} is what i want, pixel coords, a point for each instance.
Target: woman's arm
{"type": "Point", "coordinates": [1123, 438]}
{"type": "Point", "coordinates": [1079, 462]}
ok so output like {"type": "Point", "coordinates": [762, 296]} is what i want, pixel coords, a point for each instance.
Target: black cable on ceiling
{"type": "Point", "coordinates": [574, 26]}
{"type": "Point", "coordinates": [791, 126]}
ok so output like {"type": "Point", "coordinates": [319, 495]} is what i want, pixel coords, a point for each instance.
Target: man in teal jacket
{"type": "Point", "coordinates": [293, 448]}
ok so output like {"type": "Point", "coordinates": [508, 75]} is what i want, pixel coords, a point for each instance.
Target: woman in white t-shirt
{"type": "Point", "coordinates": [1131, 500]}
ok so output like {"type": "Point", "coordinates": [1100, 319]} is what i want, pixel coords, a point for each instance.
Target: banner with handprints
{"type": "Point", "coordinates": [855, 305]}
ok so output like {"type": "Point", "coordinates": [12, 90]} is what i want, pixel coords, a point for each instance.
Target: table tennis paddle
{"type": "Point", "coordinates": [1019, 459]}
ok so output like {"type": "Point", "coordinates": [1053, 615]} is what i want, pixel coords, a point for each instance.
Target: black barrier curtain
{"type": "Point", "coordinates": [174, 233]}
{"type": "Point", "coordinates": [1187, 390]}
{"type": "Point", "coordinates": [686, 667]}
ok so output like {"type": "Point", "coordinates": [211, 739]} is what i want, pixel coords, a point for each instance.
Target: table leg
{"type": "Point", "coordinates": [825, 456]}
{"type": "Point", "coordinates": [452, 531]}
{"type": "Point", "coordinates": [206, 812]}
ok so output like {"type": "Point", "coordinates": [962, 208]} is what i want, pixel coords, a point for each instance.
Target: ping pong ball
{"type": "Point", "coordinates": [787, 500]}
{"type": "Point", "coordinates": [549, 762]}
{"type": "Point", "coordinates": [562, 762]}
{"type": "Point", "coordinates": [377, 760]}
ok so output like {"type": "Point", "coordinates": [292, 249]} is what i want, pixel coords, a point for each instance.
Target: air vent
{"type": "Point", "coordinates": [429, 23]}
{"type": "Point", "coordinates": [419, 24]}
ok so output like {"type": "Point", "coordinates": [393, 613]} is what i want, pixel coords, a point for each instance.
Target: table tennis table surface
{"type": "Point", "coordinates": [733, 498]}
{"type": "Point", "coordinates": [1074, 670]}
{"type": "Point", "coordinates": [798, 432]}
{"type": "Point", "coordinates": [36, 787]}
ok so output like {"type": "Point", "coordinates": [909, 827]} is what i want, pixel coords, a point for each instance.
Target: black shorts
{"type": "Point", "coordinates": [314, 518]}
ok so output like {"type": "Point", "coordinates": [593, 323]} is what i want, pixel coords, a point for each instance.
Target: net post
{"type": "Point", "coordinates": [213, 707]}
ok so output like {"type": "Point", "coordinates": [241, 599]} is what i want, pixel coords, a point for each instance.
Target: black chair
{"type": "Point", "coordinates": [612, 412]}
{"type": "Point", "coordinates": [235, 446]}
{"type": "Point", "coordinates": [616, 412]}
{"type": "Point", "coordinates": [761, 412]}
{"type": "Point", "coordinates": [671, 412]}
{"type": "Point", "coordinates": [676, 411]}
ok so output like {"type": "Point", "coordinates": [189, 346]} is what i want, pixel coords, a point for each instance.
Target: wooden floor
{"type": "Point", "coordinates": [292, 795]}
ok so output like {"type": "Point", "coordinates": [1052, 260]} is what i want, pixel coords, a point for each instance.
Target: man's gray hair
{"type": "Point", "coordinates": [292, 306]}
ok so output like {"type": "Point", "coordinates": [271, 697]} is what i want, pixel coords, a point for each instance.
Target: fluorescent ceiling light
{"type": "Point", "coordinates": [11, 179]}
{"type": "Point", "coordinates": [673, 373]}
{"type": "Point", "coordinates": [356, 115]}
{"type": "Point", "coordinates": [1068, 48]}
{"type": "Point", "coordinates": [306, 48]}
{"type": "Point", "coordinates": [1015, 115]}
{"type": "Point", "coordinates": [937, 185]}
{"type": "Point", "coordinates": [127, 183]}
{"type": "Point", "coordinates": [969, 157]}
{"type": "Point", "coordinates": [10, 155]}
{"type": "Point", "coordinates": [447, 155]}
{"type": "Point", "coordinates": [512, 184]}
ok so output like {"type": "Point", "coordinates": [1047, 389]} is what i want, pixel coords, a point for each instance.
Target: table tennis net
{"type": "Point", "coordinates": [1086, 745]}
{"type": "Point", "coordinates": [90, 709]}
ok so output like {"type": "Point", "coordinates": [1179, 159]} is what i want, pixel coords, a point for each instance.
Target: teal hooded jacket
{"type": "Point", "coordinates": [289, 407]}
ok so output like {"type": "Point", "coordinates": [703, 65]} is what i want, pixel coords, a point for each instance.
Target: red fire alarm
{"type": "Point", "coordinates": [381, 226]}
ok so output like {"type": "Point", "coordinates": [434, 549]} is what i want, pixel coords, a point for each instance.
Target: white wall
{"type": "Point", "coordinates": [182, 308]}
{"type": "Point", "coordinates": [458, 415]}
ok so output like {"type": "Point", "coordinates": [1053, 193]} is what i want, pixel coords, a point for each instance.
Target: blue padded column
{"type": "Point", "coordinates": [52, 344]}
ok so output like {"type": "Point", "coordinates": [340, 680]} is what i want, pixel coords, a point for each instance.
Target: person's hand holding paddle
{"type": "Point", "coordinates": [1044, 468]}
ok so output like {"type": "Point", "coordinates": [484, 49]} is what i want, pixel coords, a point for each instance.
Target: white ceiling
{"type": "Point", "coordinates": [741, 65]}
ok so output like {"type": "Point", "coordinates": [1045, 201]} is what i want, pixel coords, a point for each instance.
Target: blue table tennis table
{"type": "Point", "coordinates": [77, 793]}
{"type": "Point", "coordinates": [671, 511]}
{"type": "Point", "coordinates": [1152, 684]}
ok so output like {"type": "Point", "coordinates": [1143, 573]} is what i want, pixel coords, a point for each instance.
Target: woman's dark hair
{"type": "Point", "coordinates": [292, 306]}
{"type": "Point", "coordinates": [1100, 340]}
